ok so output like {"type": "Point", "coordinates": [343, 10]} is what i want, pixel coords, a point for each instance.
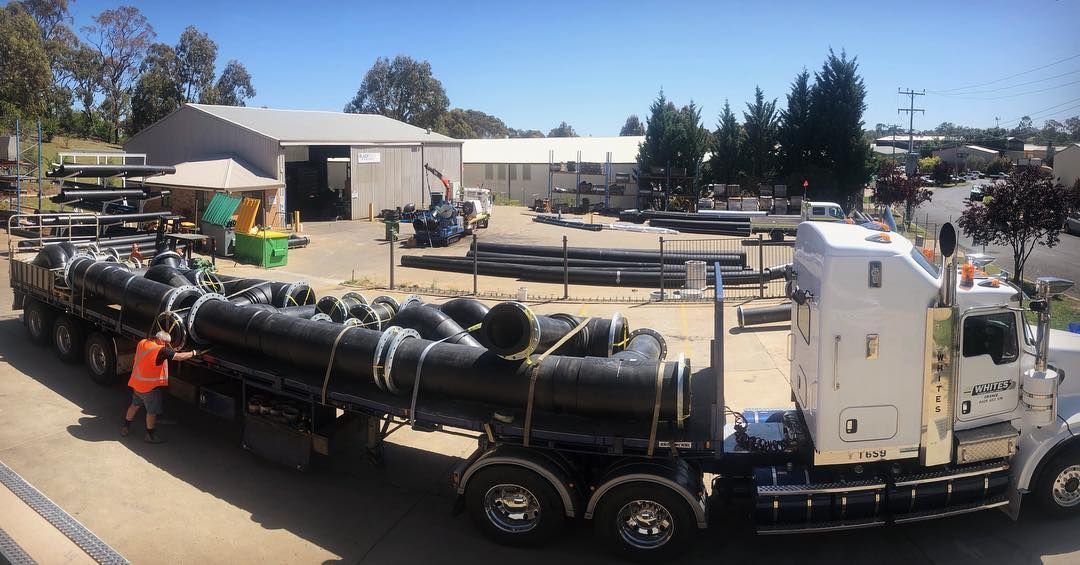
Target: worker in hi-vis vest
{"type": "Point", "coordinates": [149, 376]}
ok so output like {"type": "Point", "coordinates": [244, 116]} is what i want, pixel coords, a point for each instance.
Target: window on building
{"type": "Point", "coordinates": [502, 172]}
{"type": "Point", "coordinates": [489, 171]}
{"type": "Point", "coordinates": [526, 172]}
{"type": "Point", "coordinates": [993, 335]}
{"type": "Point", "coordinates": [513, 171]}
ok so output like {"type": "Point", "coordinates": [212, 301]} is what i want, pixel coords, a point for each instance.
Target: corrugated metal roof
{"type": "Point", "coordinates": [983, 149]}
{"type": "Point", "coordinates": [623, 149]}
{"type": "Point", "coordinates": [317, 127]}
{"type": "Point", "coordinates": [218, 173]}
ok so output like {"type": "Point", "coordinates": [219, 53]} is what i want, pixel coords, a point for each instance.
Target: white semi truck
{"type": "Point", "coordinates": [918, 394]}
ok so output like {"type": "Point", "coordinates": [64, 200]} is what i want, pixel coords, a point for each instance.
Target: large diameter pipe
{"type": "Point", "coordinates": [139, 298]}
{"type": "Point", "coordinates": [558, 262]}
{"type": "Point", "coordinates": [644, 343]}
{"type": "Point", "coordinates": [166, 274]}
{"type": "Point", "coordinates": [619, 388]}
{"type": "Point", "coordinates": [513, 331]}
{"type": "Point", "coordinates": [615, 255]}
{"type": "Point", "coordinates": [465, 311]}
{"type": "Point", "coordinates": [100, 194]}
{"type": "Point", "coordinates": [763, 315]}
{"type": "Point", "coordinates": [434, 324]}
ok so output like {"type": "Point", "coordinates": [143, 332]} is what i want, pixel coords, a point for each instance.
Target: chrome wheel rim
{"type": "Point", "coordinates": [512, 508]}
{"type": "Point", "coordinates": [63, 339]}
{"type": "Point", "coordinates": [97, 359]}
{"type": "Point", "coordinates": [1066, 489]}
{"type": "Point", "coordinates": [645, 524]}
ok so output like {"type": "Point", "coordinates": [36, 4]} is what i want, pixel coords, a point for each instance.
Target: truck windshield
{"type": "Point", "coordinates": [925, 263]}
{"type": "Point", "coordinates": [836, 213]}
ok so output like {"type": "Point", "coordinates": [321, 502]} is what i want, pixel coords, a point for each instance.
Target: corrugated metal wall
{"type": "Point", "coordinates": [399, 177]}
{"type": "Point", "coordinates": [509, 181]}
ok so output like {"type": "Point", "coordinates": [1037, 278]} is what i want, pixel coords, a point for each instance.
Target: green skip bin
{"type": "Point", "coordinates": [265, 248]}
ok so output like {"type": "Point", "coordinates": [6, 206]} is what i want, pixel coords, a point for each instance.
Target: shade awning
{"type": "Point", "coordinates": [225, 173]}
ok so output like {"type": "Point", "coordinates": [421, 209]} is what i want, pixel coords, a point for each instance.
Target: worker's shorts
{"type": "Point", "coordinates": [153, 401]}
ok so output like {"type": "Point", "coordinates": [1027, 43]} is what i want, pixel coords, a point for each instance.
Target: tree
{"type": "Point", "coordinates": [674, 139]}
{"type": "Point", "coordinates": [195, 57]}
{"type": "Point", "coordinates": [927, 164]}
{"type": "Point", "coordinates": [838, 100]}
{"type": "Point", "coordinates": [122, 37]}
{"type": "Point", "coordinates": [796, 130]}
{"type": "Point", "coordinates": [759, 125]}
{"type": "Point", "coordinates": [471, 124]}
{"type": "Point", "coordinates": [1073, 125]}
{"type": "Point", "coordinates": [24, 65]}
{"type": "Point", "coordinates": [632, 126]}
{"type": "Point", "coordinates": [1023, 129]}
{"type": "Point", "coordinates": [999, 165]}
{"type": "Point", "coordinates": [525, 133]}
{"type": "Point", "coordinates": [893, 187]}
{"type": "Point", "coordinates": [233, 87]}
{"type": "Point", "coordinates": [403, 89]}
{"type": "Point", "coordinates": [158, 92]}
{"type": "Point", "coordinates": [1028, 209]}
{"type": "Point", "coordinates": [941, 171]}
{"type": "Point", "coordinates": [563, 130]}
{"type": "Point", "coordinates": [83, 65]}
{"type": "Point", "coordinates": [727, 139]}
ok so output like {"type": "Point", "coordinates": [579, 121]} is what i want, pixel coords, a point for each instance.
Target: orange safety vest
{"type": "Point", "coordinates": [146, 374]}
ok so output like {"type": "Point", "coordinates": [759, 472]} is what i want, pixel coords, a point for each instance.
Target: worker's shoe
{"type": "Point", "coordinates": [125, 429]}
{"type": "Point", "coordinates": [152, 437]}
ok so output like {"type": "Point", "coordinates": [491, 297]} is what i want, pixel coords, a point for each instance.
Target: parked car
{"type": "Point", "coordinates": [976, 193]}
{"type": "Point", "coordinates": [1072, 224]}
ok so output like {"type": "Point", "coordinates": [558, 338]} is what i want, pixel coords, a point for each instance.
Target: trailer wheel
{"type": "Point", "coordinates": [101, 359]}
{"type": "Point", "coordinates": [645, 522]}
{"type": "Point", "coordinates": [68, 338]}
{"type": "Point", "coordinates": [514, 506]}
{"type": "Point", "coordinates": [39, 320]}
{"type": "Point", "coordinates": [776, 235]}
{"type": "Point", "coordinates": [1058, 488]}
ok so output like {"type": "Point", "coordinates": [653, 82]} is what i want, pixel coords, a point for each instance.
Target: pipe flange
{"type": "Point", "coordinates": [655, 334]}
{"type": "Point", "coordinates": [93, 250]}
{"type": "Point", "coordinates": [611, 348]}
{"type": "Point", "coordinates": [410, 299]}
{"type": "Point", "coordinates": [359, 298]}
{"type": "Point", "coordinates": [680, 376]}
{"type": "Point", "coordinates": [370, 313]}
{"type": "Point", "coordinates": [112, 255]}
{"type": "Point", "coordinates": [171, 323]}
{"type": "Point", "coordinates": [383, 340]}
{"type": "Point", "coordinates": [209, 282]}
{"type": "Point", "coordinates": [389, 301]}
{"type": "Point", "coordinates": [394, 343]}
{"type": "Point", "coordinates": [534, 334]}
{"type": "Point", "coordinates": [175, 293]}
{"type": "Point", "coordinates": [337, 304]}
{"type": "Point", "coordinates": [296, 289]}
{"type": "Point", "coordinates": [353, 322]}
{"type": "Point", "coordinates": [195, 310]}
{"type": "Point", "coordinates": [320, 317]}
{"type": "Point", "coordinates": [71, 263]}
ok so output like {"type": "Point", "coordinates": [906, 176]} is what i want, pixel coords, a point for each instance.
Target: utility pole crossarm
{"type": "Point", "coordinates": [911, 109]}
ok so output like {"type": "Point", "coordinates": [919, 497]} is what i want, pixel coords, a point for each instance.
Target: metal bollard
{"type": "Point", "coordinates": [661, 268]}
{"type": "Point", "coordinates": [565, 270]}
{"type": "Point", "coordinates": [392, 264]}
{"type": "Point", "coordinates": [761, 265]}
{"type": "Point", "coordinates": [475, 265]}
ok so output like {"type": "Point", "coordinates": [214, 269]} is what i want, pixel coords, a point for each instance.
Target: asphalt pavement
{"type": "Point", "coordinates": [1063, 260]}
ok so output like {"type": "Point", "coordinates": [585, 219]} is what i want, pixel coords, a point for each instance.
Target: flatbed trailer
{"type": "Point", "coordinates": [642, 482]}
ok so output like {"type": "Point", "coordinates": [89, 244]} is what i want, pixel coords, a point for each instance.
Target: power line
{"type": "Point", "coordinates": [1018, 93]}
{"type": "Point", "coordinates": [995, 81]}
{"type": "Point", "coordinates": [999, 89]}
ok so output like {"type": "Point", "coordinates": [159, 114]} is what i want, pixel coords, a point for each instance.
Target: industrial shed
{"type": "Point", "coordinates": [518, 169]}
{"type": "Point", "coordinates": [325, 165]}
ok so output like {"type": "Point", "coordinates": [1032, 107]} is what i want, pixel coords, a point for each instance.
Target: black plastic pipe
{"type": "Point", "coordinates": [139, 298]}
{"type": "Point", "coordinates": [717, 228]}
{"type": "Point", "coordinates": [55, 255]}
{"type": "Point", "coordinates": [693, 216]}
{"type": "Point", "coordinates": [513, 331]}
{"type": "Point", "coordinates": [100, 194]}
{"type": "Point", "coordinates": [584, 263]}
{"type": "Point", "coordinates": [434, 324]}
{"type": "Point", "coordinates": [465, 311]}
{"type": "Point", "coordinates": [339, 309]}
{"type": "Point", "coordinates": [763, 315]}
{"type": "Point", "coordinates": [98, 171]}
{"type": "Point", "coordinates": [306, 311]}
{"type": "Point", "coordinates": [644, 343]}
{"type": "Point", "coordinates": [615, 255]}
{"type": "Point", "coordinates": [166, 274]}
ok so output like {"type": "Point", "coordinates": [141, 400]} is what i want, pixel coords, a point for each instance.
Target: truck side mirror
{"type": "Point", "coordinates": [947, 239]}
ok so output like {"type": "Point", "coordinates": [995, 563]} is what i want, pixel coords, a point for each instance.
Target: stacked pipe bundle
{"type": "Point", "coordinates": [461, 350]}
{"type": "Point", "coordinates": [690, 222]}
{"type": "Point", "coordinates": [589, 266]}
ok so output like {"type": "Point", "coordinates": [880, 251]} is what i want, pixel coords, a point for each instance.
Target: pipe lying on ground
{"type": "Point", "coordinates": [719, 228]}
{"type": "Point", "coordinates": [763, 315]}
{"type": "Point", "coordinates": [297, 241]}
{"type": "Point", "coordinates": [614, 255]}
{"type": "Point", "coordinates": [558, 262]}
{"type": "Point", "coordinates": [694, 217]}
{"type": "Point", "coordinates": [576, 224]}
{"type": "Point", "coordinates": [583, 276]}
{"type": "Point", "coordinates": [465, 311]}
{"type": "Point", "coordinates": [434, 324]}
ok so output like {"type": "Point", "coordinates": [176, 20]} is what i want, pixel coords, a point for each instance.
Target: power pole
{"type": "Point", "coordinates": [911, 109]}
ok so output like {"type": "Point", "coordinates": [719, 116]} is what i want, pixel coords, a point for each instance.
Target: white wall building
{"type": "Point", "coordinates": [518, 169]}
{"type": "Point", "coordinates": [1067, 164]}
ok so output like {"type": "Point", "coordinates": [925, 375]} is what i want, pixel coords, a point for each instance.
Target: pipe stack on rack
{"type": "Point", "coordinates": [691, 222]}
{"type": "Point", "coordinates": [501, 357]}
{"type": "Point", "coordinates": [588, 266]}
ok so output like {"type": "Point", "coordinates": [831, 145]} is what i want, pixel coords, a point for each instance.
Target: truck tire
{"type": "Point", "coordinates": [514, 506]}
{"type": "Point", "coordinates": [1058, 488]}
{"type": "Point", "coordinates": [101, 359]}
{"type": "Point", "coordinates": [645, 522]}
{"type": "Point", "coordinates": [39, 321]}
{"type": "Point", "coordinates": [68, 335]}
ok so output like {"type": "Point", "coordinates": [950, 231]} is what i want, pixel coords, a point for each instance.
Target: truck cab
{"type": "Point", "coordinates": [822, 212]}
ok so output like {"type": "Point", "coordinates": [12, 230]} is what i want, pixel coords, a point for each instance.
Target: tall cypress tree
{"type": "Point", "coordinates": [724, 163]}
{"type": "Point", "coordinates": [759, 149]}
{"type": "Point", "coordinates": [838, 101]}
{"type": "Point", "coordinates": [796, 131]}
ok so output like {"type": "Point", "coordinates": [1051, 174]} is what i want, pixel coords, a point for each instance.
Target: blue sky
{"type": "Point", "coordinates": [592, 63]}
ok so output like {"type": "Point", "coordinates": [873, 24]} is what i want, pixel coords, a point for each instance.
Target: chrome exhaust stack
{"type": "Point", "coordinates": [1039, 384]}
{"type": "Point", "coordinates": [939, 361]}
{"type": "Point", "coordinates": [947, 241]}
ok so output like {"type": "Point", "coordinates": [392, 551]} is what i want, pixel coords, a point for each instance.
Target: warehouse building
{"type": "Point", "coordinates": [967, 156]}
{"type": "Point", "coordinates": [325, 165]}
{"type": "Point", "coordinates": [576, 167]}
{"type": "Point", "coordinates": [1067, 165]}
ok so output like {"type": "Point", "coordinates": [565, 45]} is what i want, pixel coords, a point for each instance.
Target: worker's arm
{"type": "Point", "coordinates": [184, 355]}
{"type": "Point", "coordinates": [168, 353]}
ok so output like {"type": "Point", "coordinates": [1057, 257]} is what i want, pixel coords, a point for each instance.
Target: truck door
{"type": "Point", "coordinates": [989, 365]}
